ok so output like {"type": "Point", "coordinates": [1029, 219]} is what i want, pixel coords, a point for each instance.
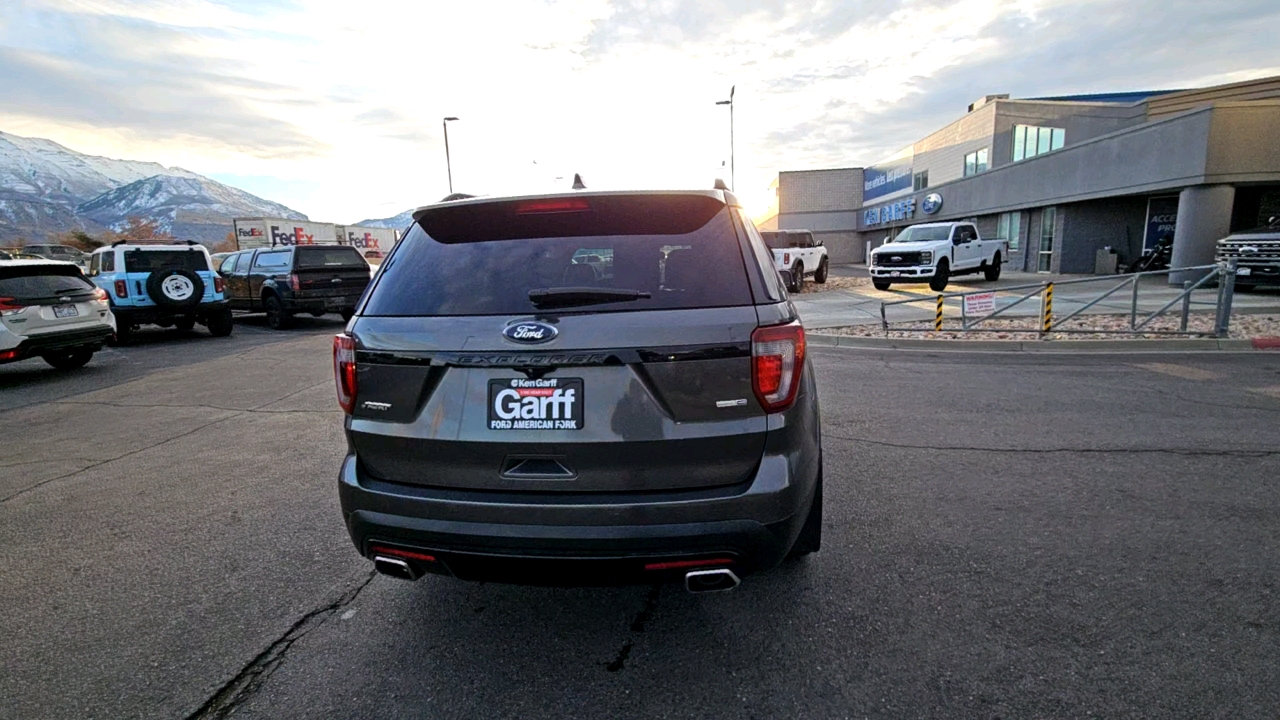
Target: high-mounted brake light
{"type": "Point", "coordinates": [555, 205]}
{"type": "Point", "coordinates": [122, 289]}
{"type": "Point", "coordinates": [777, 357]}
{"type": "Point", "coordinates": [344, 370]}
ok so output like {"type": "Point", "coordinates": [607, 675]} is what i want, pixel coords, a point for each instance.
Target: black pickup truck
{"type": "Point", "coordinates": [284, 281]}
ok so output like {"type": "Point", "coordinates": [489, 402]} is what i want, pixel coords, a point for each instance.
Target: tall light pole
{"type": "Point", "coordinates": [733, 166]}
{"type": "Point", "coordinates": [447, 162]}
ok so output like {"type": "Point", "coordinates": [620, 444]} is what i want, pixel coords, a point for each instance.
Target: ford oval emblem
{"type": "Point", "coordinates": [932, 203]}
{"type": "Point", "coordinates": [532, 332]}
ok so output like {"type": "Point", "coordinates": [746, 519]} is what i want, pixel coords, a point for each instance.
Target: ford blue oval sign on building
{"type": "Point", "coordinates": [931, 204]}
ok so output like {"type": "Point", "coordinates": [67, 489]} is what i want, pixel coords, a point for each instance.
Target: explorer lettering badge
{"type": "Point", "coordinates": [530, 332]}
{"type": "Point", "coordinates": [543, 404]}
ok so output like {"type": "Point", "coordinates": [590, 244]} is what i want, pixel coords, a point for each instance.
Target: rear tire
{"type": "Point", "coordinates": [220, 325]}
{"type": "Point", "coordinates": [277, 317]}
{"type": "Point", "coordinates": [797, 278]}
{"type": "Point", "coordinates": [881, 284]}
{"type": "Point", "coordinates": [941, 276]}
{"type": "Point", "coordinates": [1244, 287]}
{"type": "Point", "coordinates": [991, 273]}
{"type": "Point", "coordinates": [820, 276]}
{"type": "Point", "coordinates": [810, 539]}
{"type": "Point", "coordinates": [124, 334]}
{"type": "Point", "coordinates": [69, 359]}
{"type": "Point", "coordinates": [347, 315]}
{"type": "Point", "coordinates": [185, 323]}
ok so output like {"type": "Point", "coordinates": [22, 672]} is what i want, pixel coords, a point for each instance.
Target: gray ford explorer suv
{"type": "Point", "coordinates": [583, 389]}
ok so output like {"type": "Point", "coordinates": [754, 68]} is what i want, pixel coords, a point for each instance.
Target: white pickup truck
{"type": "Point", "coordinates": [933, 253]}
{"type": "Point", "coordinates": [796, 254]}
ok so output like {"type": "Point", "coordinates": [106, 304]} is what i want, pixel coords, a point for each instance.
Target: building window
{"type": "Point", "coordinates": [1009, 229]}
{"type": "Point", "coordinates": [975, 162]}
{"type": "Point", "coordinates": [920, 181]}
{"type": "Point", "coordinates": [1048, 218]}
{"type": "Point", "coordinates": [1031, 140]}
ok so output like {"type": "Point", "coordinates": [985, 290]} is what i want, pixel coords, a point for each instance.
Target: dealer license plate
{"type": "Point", "coordinates": [65, 311]}
{"type": "Point", "coordinates": [542, 404]}
{"type": "Point", "coordinates": [895, 273]}
{"type": "Point", "coordinates": [1244, 271]}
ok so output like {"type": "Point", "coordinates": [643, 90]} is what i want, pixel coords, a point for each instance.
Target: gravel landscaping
{"type": "Point", "coordinates": [1093, 327]}
{"type": "Point", "coordinates": [834, 283]}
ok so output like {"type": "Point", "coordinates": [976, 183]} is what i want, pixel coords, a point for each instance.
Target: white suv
{"type": "Point", "coordinates": [49, 309]}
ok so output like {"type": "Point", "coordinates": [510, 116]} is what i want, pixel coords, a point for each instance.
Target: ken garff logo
{"type": "Point", "coordinates": [932, 203]}
{"type": "Point", "coordinates": [531, 332]}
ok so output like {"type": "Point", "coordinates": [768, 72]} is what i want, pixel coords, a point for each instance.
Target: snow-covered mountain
{"type": "Point", "coordinates": [397, 222]}
{"type": "Point", "coordinates": [191, 208]}
{"type": "Point", "coordinates": [43, 187]}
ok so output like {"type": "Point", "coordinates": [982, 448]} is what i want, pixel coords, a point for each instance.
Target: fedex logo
{"type": "Point", "coordinates": [249, 232]}
{"type": "Point", "coordinates": [297, 237]}
{"type": "Point", "coordinates": [367, 241]}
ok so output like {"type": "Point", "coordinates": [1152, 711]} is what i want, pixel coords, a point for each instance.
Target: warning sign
{"type": "Point", "coordinates": [979, 304]}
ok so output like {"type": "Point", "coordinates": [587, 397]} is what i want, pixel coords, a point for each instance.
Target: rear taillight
{"type": "Point", "coordinates": [122, 289]}
{"type": "Point", "coordinates": [218, 284]}
{"type": "Point", "coordinates": [100, 295]}
{"type": "Point", "coordinates": [344, 370]}
{"type": "Point", "coordinates": [295, 283]}
{"type": "Point", "coordinates": [777, 355]}
{"type": "Point", "coordinates": [9, 306]}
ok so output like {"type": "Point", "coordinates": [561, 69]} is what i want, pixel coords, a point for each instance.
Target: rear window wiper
{"type": "Point", "coordinates": [572, 296]}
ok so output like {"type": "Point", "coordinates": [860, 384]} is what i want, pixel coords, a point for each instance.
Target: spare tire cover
{"type": "Point", "coordinates": [175, 288]}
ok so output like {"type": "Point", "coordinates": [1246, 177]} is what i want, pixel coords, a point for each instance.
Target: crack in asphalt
{"type": "Point", "coordinates": [1083, 451]}
{"type": "Point", "coordinates": [235, 414]}
{"type": "Point", "coordinates": [637, 627]}
{"type": "Point", "coordinates": [246, 683]}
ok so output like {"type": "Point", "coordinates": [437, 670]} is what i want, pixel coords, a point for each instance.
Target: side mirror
{"type": "Point", "coordinates": [817, 243]}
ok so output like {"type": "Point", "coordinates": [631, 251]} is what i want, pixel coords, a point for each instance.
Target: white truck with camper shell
{"type": "Point", "coordinates": [796, 254]}
{"type": "Point", "coordinates": [934, 253]}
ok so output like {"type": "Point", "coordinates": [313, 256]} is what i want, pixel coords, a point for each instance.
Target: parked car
{"type": "Point", "coordinates": [284, 281]}
{"type": "Point", "coordinates": [18, 254]}
{"type": "Point", "coordinates": [48, 309]}
{"type": "Point", "coordinates": [797, 254]}
{"type": "Point", "coordinates": [217, 258]}
{"type": "Point", "coordinates": [65, 253]}
{"type": "Point", "coordinates": [934, 253]}
{"type": "Point", "coordinates": [165, 285]}
{"type": "Point", "coordinates": [1257, 254]}
{"type": "Point", "coordinates": [516, 415]}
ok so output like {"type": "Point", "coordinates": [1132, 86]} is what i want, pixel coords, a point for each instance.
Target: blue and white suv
{"type": "Point", "coordinates": [165, 285]}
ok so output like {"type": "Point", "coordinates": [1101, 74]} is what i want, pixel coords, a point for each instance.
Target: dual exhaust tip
{"type": "Point", "coordinates": [695, 581]}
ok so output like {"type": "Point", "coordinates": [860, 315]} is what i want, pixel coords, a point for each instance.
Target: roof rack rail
{"type": "Point", "coordinates": [118, 243]}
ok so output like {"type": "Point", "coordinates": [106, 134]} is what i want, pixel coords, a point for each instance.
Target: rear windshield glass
{"type": "Point", "coordinates": [322, 257]}
{"type": "Point", "coordinates": [141, 261]}
{"type": "Point", "coordinates": [775, 240]}
{"type": "Point", "coordinates": [484, 259]}
{"type": "Point", "coordinates": [36, 283]}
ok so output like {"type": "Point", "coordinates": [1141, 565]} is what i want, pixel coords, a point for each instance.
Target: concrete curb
{"type": "Point", "coordinates": [1043, 346]}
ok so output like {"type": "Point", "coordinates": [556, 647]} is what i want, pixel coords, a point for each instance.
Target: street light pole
{"type": "Point", "coordinates": [733, 165]}
{"type": "Point", "coordinates": [447, 162]}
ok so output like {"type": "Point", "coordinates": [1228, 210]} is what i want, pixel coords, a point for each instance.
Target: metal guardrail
{"type": "Point", "coordinates": [1224, 272]}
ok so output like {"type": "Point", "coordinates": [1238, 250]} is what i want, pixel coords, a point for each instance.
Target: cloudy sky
{"type": "Point", "coordinates": [334, 107]}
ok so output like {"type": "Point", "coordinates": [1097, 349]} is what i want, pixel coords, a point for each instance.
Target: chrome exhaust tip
{"type": "Point", "coordinates": [717, 580]}
{"type": "Point", "coordinates": [394, 567]}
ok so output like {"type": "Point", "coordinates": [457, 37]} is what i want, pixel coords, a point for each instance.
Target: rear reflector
{"type": "Point", "coordinates": [396, 552]}
{"type": "Point", "coordinates": [6, 355]}
{"type": "Point", "coordinates": [677, 564]}
{"type": "Point", "coordinates": [777, 357]}
{"type": "Point", "coordinates": [556, 205]}
{"type": "Point", "coordinates": [344, 370]}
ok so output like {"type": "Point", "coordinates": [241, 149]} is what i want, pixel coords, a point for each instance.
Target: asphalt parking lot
{"type": "Point", "coordinates": [1006, 536]}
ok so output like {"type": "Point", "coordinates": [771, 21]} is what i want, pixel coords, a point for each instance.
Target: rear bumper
{"type": "Point", "coordinates": [579, 539]}
{"type": "Point", "coordinates": [331, 304]}
{"type": "Point", "coordinates": [86, 339]}
{"type": "Point", "coordinates": [154, 313]}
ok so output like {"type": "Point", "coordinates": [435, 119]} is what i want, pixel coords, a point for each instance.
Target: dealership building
{"type": "Point", "coordinates": [1061, 178]}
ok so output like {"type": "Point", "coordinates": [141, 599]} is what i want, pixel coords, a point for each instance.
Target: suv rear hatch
{"type": "Point", "coordinates": [37, 299]}
{"type": "Point", "coordinates": [596, 343]}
